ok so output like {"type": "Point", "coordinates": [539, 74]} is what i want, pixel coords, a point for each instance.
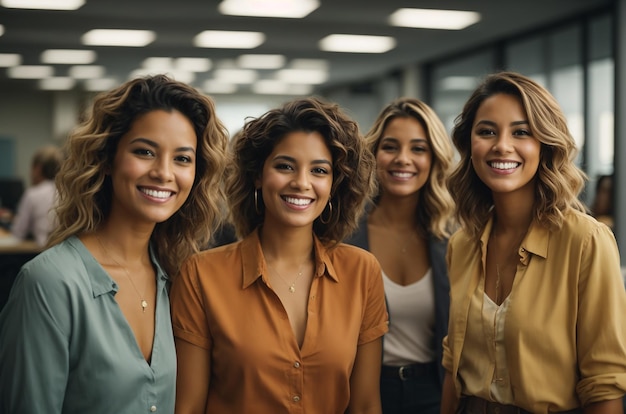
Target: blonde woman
{"type": "Point", "coordinates": [87, 325]}
{"type": "Point", "coordinates": [407, 230]}
{"type": "Point", "coordinates": [537, 301]}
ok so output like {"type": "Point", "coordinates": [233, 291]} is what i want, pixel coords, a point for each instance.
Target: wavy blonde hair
{"type": "Point", "coordinates": [85, 191]}
{"type": "Point", "coordinates": [353, 165]}
{"type": "Point", "coordinates": [559, 180]}
{"type": "Point", "coordinates": [435, 207]}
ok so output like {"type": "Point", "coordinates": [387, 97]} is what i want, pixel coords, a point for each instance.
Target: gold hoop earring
{"type": "Point", "coordinates": [330, 213]}
{"type": "Point", "coordinates": [256, 201]}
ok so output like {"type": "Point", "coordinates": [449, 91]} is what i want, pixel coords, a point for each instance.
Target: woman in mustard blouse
{"type": "Point", "coordinates": [537, 302]}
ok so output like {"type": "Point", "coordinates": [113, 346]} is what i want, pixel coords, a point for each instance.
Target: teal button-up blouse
{"type": "Point", "coordinates": [66, 347]}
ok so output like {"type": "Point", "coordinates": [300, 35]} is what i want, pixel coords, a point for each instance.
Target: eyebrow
{"type": "Point", "coordinates": [516, 123]}
{"type": "Point", "coordinates": [293, 160]}
{"type": "Point", "coordinates": [396, 139]}
{"type": "Point", "coordinates": [156, 145]}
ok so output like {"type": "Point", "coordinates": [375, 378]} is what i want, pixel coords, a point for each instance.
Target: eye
{"type": "Point", "coordinates": [185, 159]}
{"type": "Point", "coordinates": [388, 147]}
{"type": "Point", "coordinates": [522, 132]}
{"type": "Point", "coordinates": [485, 132]}
{"type": "Point", "coordinates": [420, 149]}
{"type": "Point", "coordinates": [283, 166]}
{"type": "Point", "coordinates": [319, 170]}
{"type": "Point", "coordinates": [144, 152]}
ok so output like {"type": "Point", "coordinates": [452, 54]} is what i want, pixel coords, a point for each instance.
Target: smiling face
{"type": "Point", "coordinates": [154, 167]}
{"type": "Point", "coordinates": [403, 157]}
{"type": "Point", "coordinates": [296, 180]}
{"type": "Point", "coordinates": [505, 154]}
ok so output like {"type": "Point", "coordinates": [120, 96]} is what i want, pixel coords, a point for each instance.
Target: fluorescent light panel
{"type": "Point", "coordinates": [193, 64]}
{"type": "Point", "coordinates": [276, 87]}
{"type": "Point", "coordinates": [10, 59]}
{"type": "Point", "coordinates": [57, 84]}
{"type": "Point", "coordinates": [318, 64]}
{"type": "Point", "coordinates": [30, 72]}
{"type": "Point", "coordinates": [43, 4]}
{"type": "Point", "coordinates": [224, 39]}
{"type": "Point", "coordinates": [181, 76]}
{"type": "Point", "coordinates": [216, 86]}
{"type": "Point", "coordinates": [86, 72]}
{"type": "Point", "coordinates": [68, 56]}
{"type": "Point", "coordinates": [102, 84]}
{"type": "Point", "coordinates": [294, 9]}
{"type": "Point", "coordinates": [261, 61]}
{"type": "Point", "coordinates": [236, 76]}
{"type": "Point", "coordinates": [433, 19]}
{"type": "Point", "coordinates": [357, 43]}
{"type": "Point", "coordinates": [115, 37]}
{"type": "Point", "coordinates": [302, 76]}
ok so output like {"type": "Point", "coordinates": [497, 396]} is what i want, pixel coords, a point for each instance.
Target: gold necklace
{"type": "Point", "coordinates": [144, 303]}
{"type": "Point", "coordinates": [291, 286]}
{"type": "Point", "coordinates": [506, 258]}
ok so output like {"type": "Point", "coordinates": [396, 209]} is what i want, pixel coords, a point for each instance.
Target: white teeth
{"type": "Point", "coordinates": [504, 165]}
{"type": "Point", "coordinates": [298, 201]}
{"type": "Point", "coordinates": [155, 193]}
{"type": "Point", "coordinates": [401, 174]}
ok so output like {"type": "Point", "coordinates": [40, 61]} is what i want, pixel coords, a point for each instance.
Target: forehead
{"type": "Point", "coordinates": [302, 144]}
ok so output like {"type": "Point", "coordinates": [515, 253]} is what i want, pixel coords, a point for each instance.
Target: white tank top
{"type": "Point", "coordinates": [411, 321]}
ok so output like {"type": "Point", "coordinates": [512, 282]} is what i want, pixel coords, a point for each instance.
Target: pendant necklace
{"type": "Point", "coordinates": [495, 239]}
{"type": "Point", "coordinates": [144, 303]}
{"type": "Point", "coordinates": [291, 286]}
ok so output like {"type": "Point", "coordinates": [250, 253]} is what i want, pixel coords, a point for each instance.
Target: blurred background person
{"type": "Point", "coordinates": [603, 202]}
{"type": "Point", "coordinates": [35, 216]}
{"type": "Point", "coordinates": [407, 230]}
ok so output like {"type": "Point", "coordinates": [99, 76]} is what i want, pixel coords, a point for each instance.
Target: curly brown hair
{"type": "Point", "coordinates": [435, 207]}
{"type": "Point", "coordinates": [85, 191]}
{"type": "Point", "coordinates": [559, 180]}
{"type": "Point", "coordinates": [353, 165]}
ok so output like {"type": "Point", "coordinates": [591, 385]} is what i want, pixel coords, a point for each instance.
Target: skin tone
{"type": "Point", "coordinates": [152, 175]}
{"type": "Point", "coordinates": [506, 156]}
{"type": "Point", "coordinates": [295, 183]}
{"type": "Point", "coordinates": [403, 160]}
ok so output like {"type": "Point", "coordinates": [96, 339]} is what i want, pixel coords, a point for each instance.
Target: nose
{"type": "Point", "coordinates": [162, 170]}
{"type": "Point", "coordinates": [503, 144]}
{"type": "Point", "coordinates": [402, 157]}
{"type": "Point", "coordinates": [301, 180]}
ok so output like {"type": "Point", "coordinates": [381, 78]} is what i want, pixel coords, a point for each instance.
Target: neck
{"type": "Point", "coordinates": [286, 246]}
{"type": "Point", "coordinates": [395, 212]}
{"type": "Point", "coordinates": [129, 246]}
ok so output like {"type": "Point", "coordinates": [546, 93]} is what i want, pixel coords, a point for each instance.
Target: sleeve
{"type": "Point", "coordinates": [375, 320]}
{"type": "Point", "coordinates": [22, 222]}
{"type": "Point", "coordinates": [601, 325]}
{"type": "Point", "coordinates": [447, 352]}
{"type": "Point", "coordinates": [34, 344]}
{"type": "Point", "coordinates": [188, 310]}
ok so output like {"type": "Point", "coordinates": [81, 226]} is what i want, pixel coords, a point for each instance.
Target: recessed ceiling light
{"type": "Point", "coordinates": [294, 9]}
{"type": "Point", "coordinates": [66, 56]}
{"type": "Point", "coordinates": [43, 4]}
{"type": "Point", "coordinates": [433, 19]}
{"type": "Point", "coordinates": [103, 84]}
{"type": "Point", "coordinates": [115, 37]}
{"type": "Point", "coordinates": [302, 76]}
{"type": "Point", "coordinates": [261, 61]}
{"type": "Point", "coordinates": [57, 84]}
{"type": "Point", "coordinates": [458, 83]}
{"type": "Point", "coordinates": [357, 43]}
{"type": "Point", "coordinates": [228, 39]}
{"type": "Point", "coordinates": [86, 72]}
{"type": "Point", "coordinates": [10, 59]}
{"type": "Point", "coordinates": [238, 76]}
{"type": "Point", "coordinates": [215, 86]}
{"type": "Point", "coordinates": [193, 64]}
{"type": "Point", "coordinates": [30, 72]}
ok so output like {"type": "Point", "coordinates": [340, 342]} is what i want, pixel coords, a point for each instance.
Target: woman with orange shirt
{"type": "Point", "coordinates": [287, 320]}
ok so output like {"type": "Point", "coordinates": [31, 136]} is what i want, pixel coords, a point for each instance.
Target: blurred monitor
{"type": "Point", "coordinates": [11, 190]}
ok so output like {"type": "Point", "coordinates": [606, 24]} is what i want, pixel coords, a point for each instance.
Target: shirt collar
{"type": "Point", "coordinates": [254, 265]}
{"type": "Point", "coordinates": [536, 240]}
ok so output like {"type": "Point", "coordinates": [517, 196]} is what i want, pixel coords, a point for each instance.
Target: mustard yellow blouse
{"type": "Point", "coordinates": [565, 328]}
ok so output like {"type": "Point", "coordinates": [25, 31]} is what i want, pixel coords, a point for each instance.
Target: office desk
{"type": "Point", "coordinates": [13, 254]}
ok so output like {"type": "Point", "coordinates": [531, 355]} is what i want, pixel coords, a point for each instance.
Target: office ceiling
{"type": "Point", "coordinates": [30, 32]}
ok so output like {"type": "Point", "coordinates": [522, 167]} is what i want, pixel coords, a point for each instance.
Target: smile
{"type": "Point", "coordinates": [156, 193]}
{"type": "Point", "coordinates": [504, 165]}
{"type": "Point", "coordinates": [400, 174]}
{"type": "Point", "coordinates": [298, 201]}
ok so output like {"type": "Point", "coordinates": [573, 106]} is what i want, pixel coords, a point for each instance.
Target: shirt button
{"type": "Point", "coordinates": [296, 364]}
{"type": "Point", "coordinates": [296, 398]}
{"type": "Point", "coordinates": [153, 408]}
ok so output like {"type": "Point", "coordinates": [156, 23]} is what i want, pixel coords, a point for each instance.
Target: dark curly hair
{"type": "Point", "coordinates": [353, 165]}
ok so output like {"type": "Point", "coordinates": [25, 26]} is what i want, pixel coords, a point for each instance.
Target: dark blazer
{"type": "Point", "coordinates": [437, 251]}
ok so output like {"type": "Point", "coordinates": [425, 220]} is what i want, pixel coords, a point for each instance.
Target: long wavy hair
{"type": "Point", "coordinates": [435, 207]}
{"type": "Point", "coordinates": [353, 165]}
{"type": "Point", "coordinates": [85, 189]}
{"type": "Point", "coordinates": [558, 180]}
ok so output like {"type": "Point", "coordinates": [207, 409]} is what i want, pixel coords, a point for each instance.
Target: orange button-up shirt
{"type": "Point", "coordinates": [222, 301]}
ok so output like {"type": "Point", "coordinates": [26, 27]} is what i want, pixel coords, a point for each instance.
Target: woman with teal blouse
{"type": "Point", "coordinates": [87, 326]}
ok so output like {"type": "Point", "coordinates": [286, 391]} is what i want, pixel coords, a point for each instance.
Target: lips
{"type": "Point", "coordinates": [161, 194]}
{"type": "Point", "coordinates": [401, 174]}
{"type": "Point", "coordinates": [297, 200]}
{"type": "Point", "coordinates": [504, 165]}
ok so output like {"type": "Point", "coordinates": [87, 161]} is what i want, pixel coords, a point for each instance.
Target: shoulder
{"type": "Point", "coordinates": [348, 256]}
{"type": "Point", "coordinates": [461, 238]}
{"type": "Point", "coordinates": [582, 227]}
